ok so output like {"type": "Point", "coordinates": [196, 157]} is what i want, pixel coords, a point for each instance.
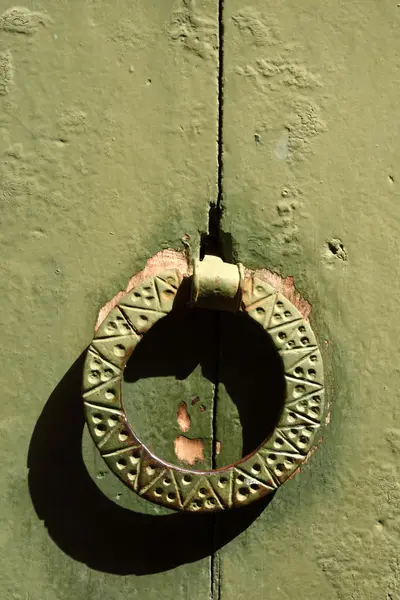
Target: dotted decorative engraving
{"type": "Point", "coordinates": [182, 489]}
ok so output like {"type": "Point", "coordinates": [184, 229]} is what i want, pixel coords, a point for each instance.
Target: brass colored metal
{"type": "Point", "coordinates": [216, 284]}
{"type": "Point", "coordinates": [250, 478]}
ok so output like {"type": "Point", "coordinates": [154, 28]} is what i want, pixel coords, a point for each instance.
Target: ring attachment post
{"type": "Point", "coordinates": [216, 284]}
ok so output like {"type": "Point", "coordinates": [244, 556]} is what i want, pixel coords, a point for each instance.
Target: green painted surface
{"type": "Point", "coordinates": [108, 124]}
{"type": "Point", "coordinates": [177, 362]}
{"type": "Point", "coordinates": [317, 84]}
{"type": "Point", "coordinates": [107, 139]}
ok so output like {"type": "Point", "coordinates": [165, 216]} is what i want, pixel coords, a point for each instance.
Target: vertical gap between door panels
{"type": "Point", "coordinates": [215, 588]}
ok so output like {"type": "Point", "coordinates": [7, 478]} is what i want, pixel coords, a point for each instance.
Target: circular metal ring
{"type": "Point", "coordinates": [252, 477]}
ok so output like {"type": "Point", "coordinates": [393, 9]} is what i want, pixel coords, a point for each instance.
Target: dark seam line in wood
{"type": "Point", "coordinates": [220, 137]}
{"type": "Point", "coordinates": [219, 203]}
{"type": "Point", "coordinates": [215, 395]}
{"type": "Point", "coordinates": [215, 591]}
{"type": "Point", "coordinates": [215, 587]}
{"type": "Point", "coordinates": [212, 566]}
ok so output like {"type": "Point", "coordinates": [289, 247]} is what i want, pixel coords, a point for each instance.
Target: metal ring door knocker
{"type": "Point", "coordinates": [220, 286]}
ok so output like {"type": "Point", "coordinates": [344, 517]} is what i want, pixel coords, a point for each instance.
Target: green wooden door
{"type": "Point", "coordinates": [268, 132]}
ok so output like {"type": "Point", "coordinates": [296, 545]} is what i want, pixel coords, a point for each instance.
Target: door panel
{"type": "Point", "coordinates": [108, 126]}
{"type": "Point", "coordinates": [311, 170]}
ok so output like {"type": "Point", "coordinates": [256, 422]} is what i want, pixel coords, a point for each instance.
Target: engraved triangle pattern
{"type": "Point", "coordinates": [182, 489]}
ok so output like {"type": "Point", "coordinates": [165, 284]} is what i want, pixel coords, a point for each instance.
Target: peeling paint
{"type": "Point", "coordinates": [189, 451]}
{"type": "Point", "coordinates": [183, 418]}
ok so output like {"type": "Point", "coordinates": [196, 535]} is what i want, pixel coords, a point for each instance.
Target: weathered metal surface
{"type": "Point", "coordinates": [247, 480]}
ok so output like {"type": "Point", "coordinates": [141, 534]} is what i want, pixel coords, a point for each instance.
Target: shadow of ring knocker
{"type": "Point", "coordinates": [91, 528]}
